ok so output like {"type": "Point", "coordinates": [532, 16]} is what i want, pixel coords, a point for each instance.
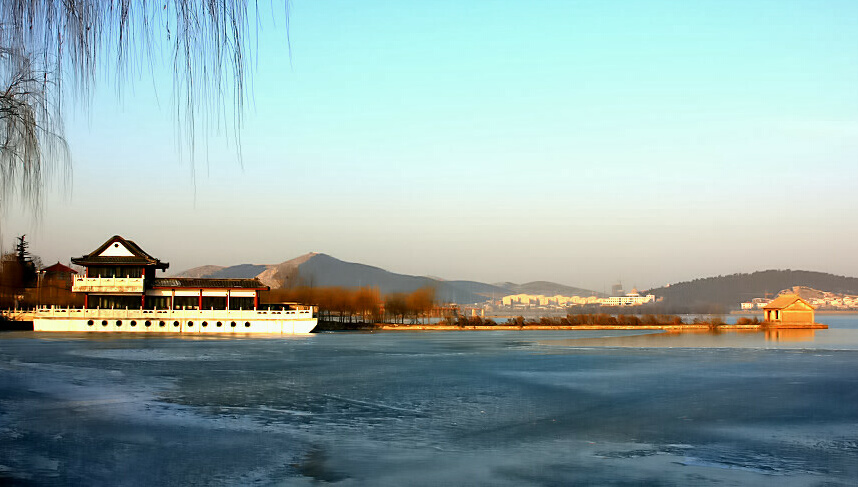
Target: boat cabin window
{"type": "Point", "coordinates": [106, 301]}
{"type": "Point", "coordinates": [158, 302]}
{"type": "Point", "coordinates": [214, 302]}
{"type": "Point", "coordinates": [240, 303]}
{"type": "Point", "coordinates": [186, 302]}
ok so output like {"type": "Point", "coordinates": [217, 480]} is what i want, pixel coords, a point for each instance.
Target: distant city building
{"type": "Point", "coordinates": [630, 299]}
{"type": "Point", "coordinates": [756, 303]}
{"type": "Point", "coordinates": [542, 301]}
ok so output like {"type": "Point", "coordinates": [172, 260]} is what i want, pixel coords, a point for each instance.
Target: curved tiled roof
{"type": "Point", "coordinates": [785, 300]}
{"type": "Point", "coordinates": [59, 269]}
{"type": "Point", "coordinates": [202, 283]}
{"type": "Point", "coordinates": [138, 257]}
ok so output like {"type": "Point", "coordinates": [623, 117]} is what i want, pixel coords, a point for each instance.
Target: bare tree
{"type": "Point", "coordinates": [50, 47]}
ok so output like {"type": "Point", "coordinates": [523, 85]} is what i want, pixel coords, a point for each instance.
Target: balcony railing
{"type": "Point", "coordinates": [107, 284]}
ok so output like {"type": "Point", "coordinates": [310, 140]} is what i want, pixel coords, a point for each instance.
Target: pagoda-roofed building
{"type": "Point", "coordinates": [58, 275]}
{"type": "Point", "coordinates": [121, 275]}
{"type": "Point", "coordinates": [59, 270]}
{"type": "Point", "coordinates": [788, 308]}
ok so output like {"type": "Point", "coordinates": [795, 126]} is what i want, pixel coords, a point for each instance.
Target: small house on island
{"type": "Point", "coordinates": [788, 308]}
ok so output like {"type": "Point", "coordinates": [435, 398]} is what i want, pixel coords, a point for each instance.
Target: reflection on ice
{"type": "Point", "coordinates": [831, 339]}
{"type": "Point", "coordinates": [790, 335]}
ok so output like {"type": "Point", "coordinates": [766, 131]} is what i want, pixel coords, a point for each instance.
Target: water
{"type": "Point", "coordinates": [452, 408]}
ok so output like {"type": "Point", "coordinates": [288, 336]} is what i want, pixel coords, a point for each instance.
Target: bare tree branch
{"type": "Point", "coordinates": [50, 47]}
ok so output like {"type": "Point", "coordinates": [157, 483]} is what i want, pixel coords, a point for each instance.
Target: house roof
{"type": "Point", "coordinates": [784, 301]}
{"type": "Point", "coordinates": [137, 255]}
{"type": "Point", "coordinates": [202, 283]}
{"type": "Point", "coordinates": [59, 269]}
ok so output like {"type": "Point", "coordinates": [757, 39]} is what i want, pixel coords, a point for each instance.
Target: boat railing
{"type": "Point", "coordinates": [179, 314]}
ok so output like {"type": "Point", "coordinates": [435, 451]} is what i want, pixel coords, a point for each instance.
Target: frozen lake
{"type": "Point", "coordinates": [449, 408]}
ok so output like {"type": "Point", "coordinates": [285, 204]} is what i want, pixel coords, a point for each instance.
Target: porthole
{"type": "Point", "coordinates": [118, 322]}
{"type": "Point", "coordinates": [232, 324]}
{"type": "Point", "coordinates": [219, 324]}
{"type": "Point", "coordinates": [162, 324]}
{"type": "Point", "coordinates": [176, 324]}
{"type": "Point", "coordinates": [205, 323]}
{"type": "Point", "coordinates": [191, 324]}
{"type": "Point", "coordinates": [103, 322]}
{"type": "Point", "coordinates": [148, 323]}
{"type": "Point", "coordinates": [133, 323]}
{"type": "Point", "coordinates": [90, 322]}
{"type": "Point", "coordinates": [247, 324]}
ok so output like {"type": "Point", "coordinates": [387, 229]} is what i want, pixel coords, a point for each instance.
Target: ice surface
{"type": "Point", "coordinates": [482, 408]}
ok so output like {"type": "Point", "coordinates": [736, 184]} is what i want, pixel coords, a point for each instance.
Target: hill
{"type": "Point", "coordinates": [322, 270]}
{"type": "Point", "coordinates": [242, 271]}
{"type": "Point", "coordinates": [198, 272]}
{"type": "Point", "coordinates": [488, 291]}
{"type": "Point", "coordinates": [550, 289]}
{"type": "Point", "coordinates": [729, 291]}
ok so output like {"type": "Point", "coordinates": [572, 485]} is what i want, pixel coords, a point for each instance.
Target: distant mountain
{"type": "Point", "coordinates": [729, 291]}
{"type": "Point", "coordinates": [488, 291]}
{"type": "Point", "coordinates": [550, 289]}
{"type": "Point", "coordinates": [241, 271]}
{"type": "Point", "coordinates": [285, 273]}
{"type": "Point", "coordinates": [202, 271]}
{"type": "Point", "coordinates": [322, 270]}
{"type": "Point", "coordinates": [316, 269]}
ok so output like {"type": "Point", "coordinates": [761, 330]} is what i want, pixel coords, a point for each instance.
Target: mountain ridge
{"type": "Point", "coordinates": [322, 270]}
{"type": "Point", "coordinates": [730, 290]}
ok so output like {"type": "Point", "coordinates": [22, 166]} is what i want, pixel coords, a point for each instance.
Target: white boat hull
{"type": "Point", "coordinates": [174, 321]}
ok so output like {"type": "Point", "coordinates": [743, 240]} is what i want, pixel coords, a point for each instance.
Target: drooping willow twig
{"type": "Point", "coordinates": [54, 48]}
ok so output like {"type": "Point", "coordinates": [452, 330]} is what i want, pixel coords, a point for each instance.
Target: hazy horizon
{"type": "Point", "coordinates": [581, 142]}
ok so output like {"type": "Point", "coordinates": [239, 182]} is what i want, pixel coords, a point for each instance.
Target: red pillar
{"type": "Point", "coordinates": [86, 301]}
{"type": "Point", "coordinates": [256, 300]}
{"type": "Point", "coordinates": [201, 300]}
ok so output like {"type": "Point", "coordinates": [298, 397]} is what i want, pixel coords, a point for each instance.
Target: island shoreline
{"type": "Point", "coordinates": [669, 328]}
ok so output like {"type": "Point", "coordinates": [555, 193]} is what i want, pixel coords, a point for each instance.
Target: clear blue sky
{"type": "Point", "coordinates": [573, 141]}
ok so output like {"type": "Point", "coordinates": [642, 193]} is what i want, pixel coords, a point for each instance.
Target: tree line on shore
{"type": "Point", "coordinates": [340, 307]}
{"type": "Point", "coordinates": [360, 306]}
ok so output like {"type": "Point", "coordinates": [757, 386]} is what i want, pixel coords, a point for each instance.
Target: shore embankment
{"type": "Point", "coordinates": [671, 328]}
{"type": "Point", "coordinates": [759, 312]}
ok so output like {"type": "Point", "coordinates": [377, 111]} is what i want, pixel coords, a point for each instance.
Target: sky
{"type": "Point", "coordinates": [576, 141]}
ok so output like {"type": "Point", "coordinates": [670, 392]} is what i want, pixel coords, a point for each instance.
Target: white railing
{"type": "Point", "coordinates": [174, 314]}
{"type": "Point", "coordinates": [107, 284]}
